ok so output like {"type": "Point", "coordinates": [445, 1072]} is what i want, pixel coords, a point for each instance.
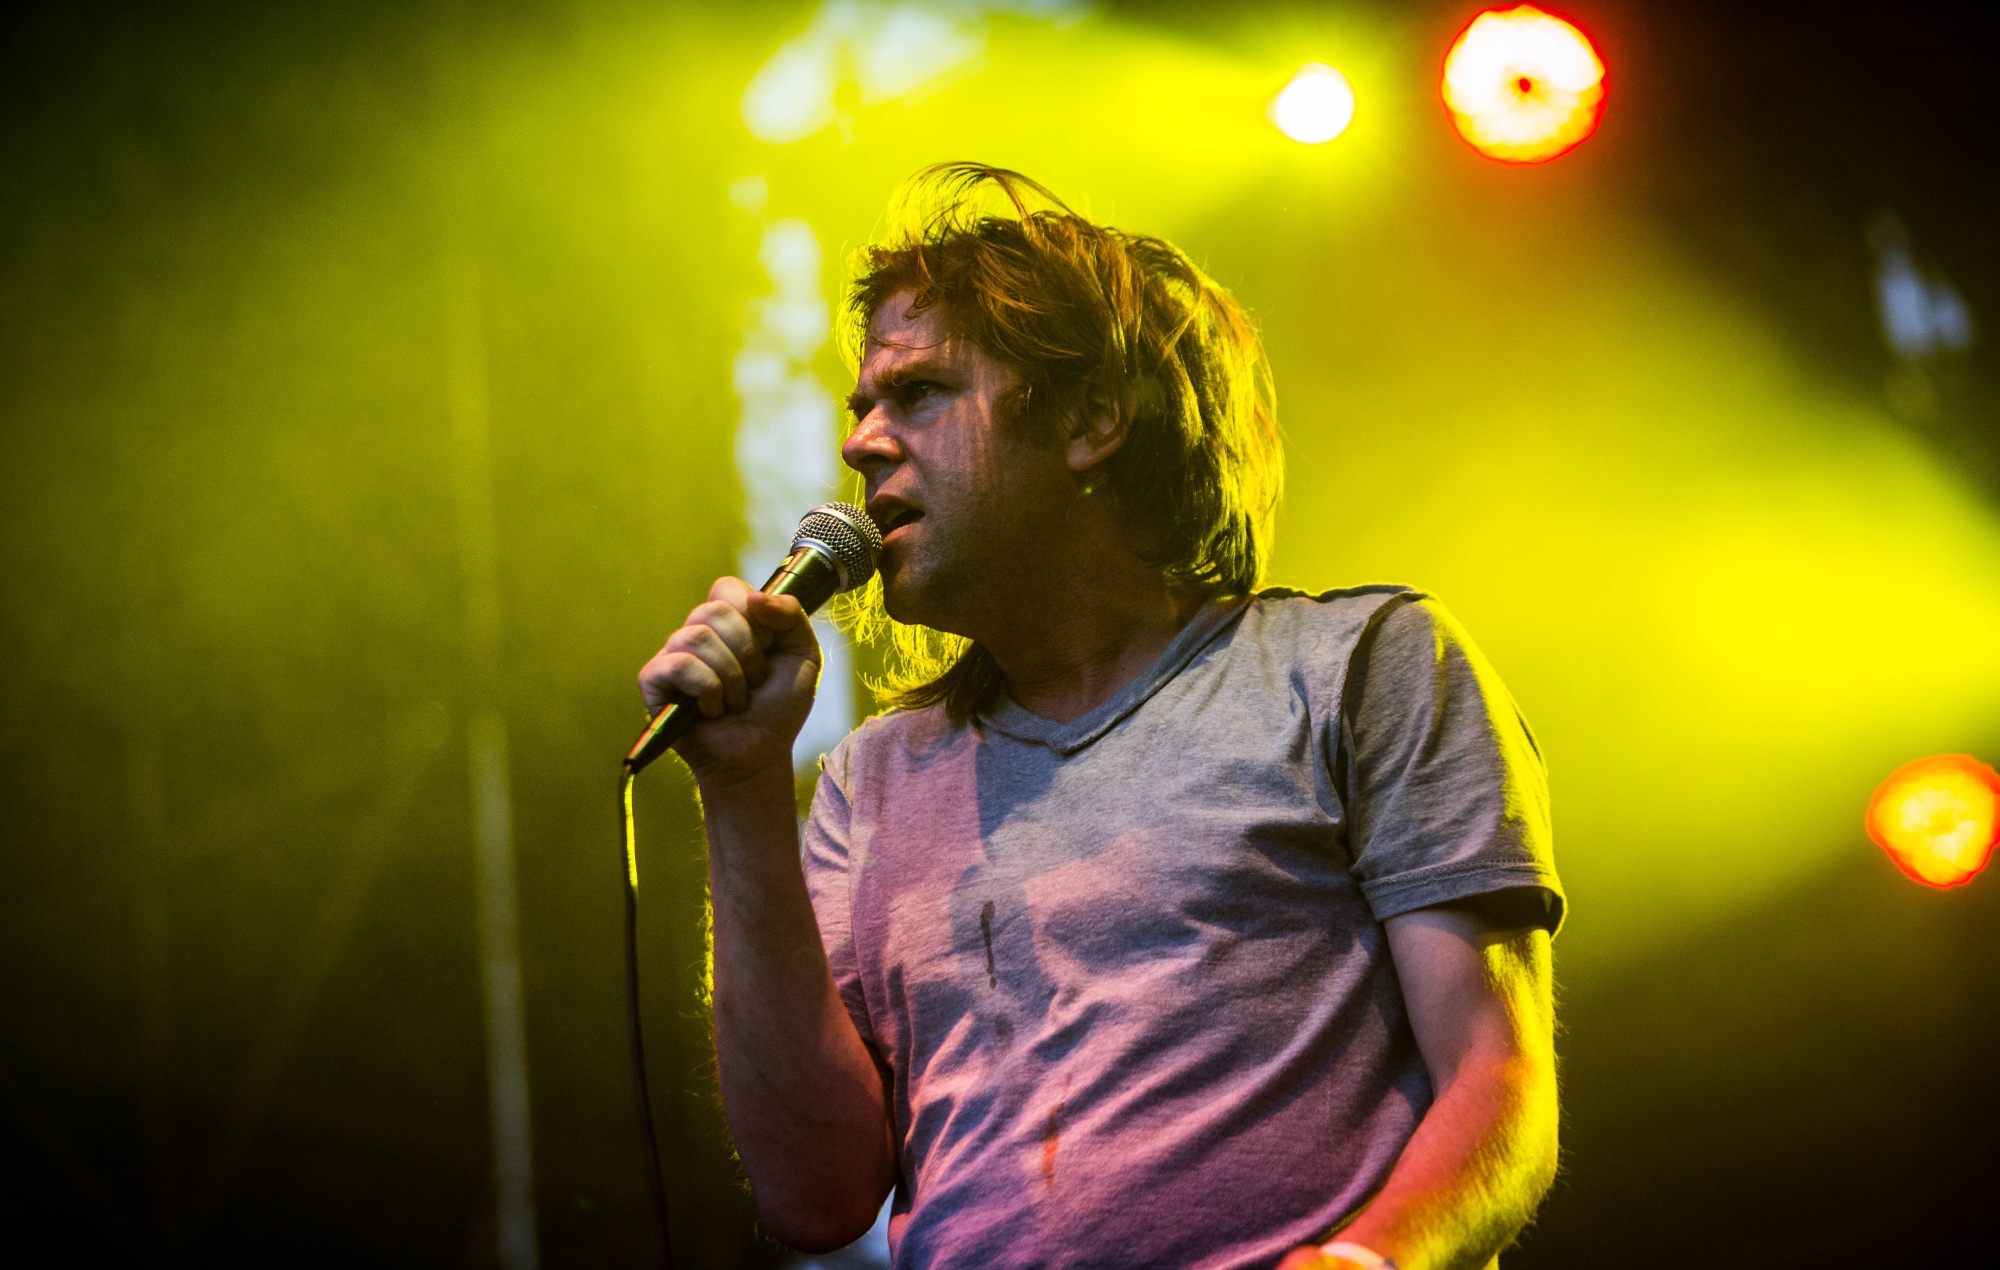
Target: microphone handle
{"type": "Point", "coordinates": [810, 576]}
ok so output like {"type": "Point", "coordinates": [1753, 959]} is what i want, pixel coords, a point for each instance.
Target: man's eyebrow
{"type": "Point", "coordinates": [897, 376]}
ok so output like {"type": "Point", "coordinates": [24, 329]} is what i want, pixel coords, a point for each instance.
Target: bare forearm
{"type": "Point", "coordinates": [1472, 1175]}
{"type": "Point", "coordinates": [803, 1097]}
{"type": "Point", "coordinates": [1481, 1004]}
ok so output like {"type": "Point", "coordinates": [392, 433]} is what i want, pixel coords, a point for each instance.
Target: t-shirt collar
{"type": "Point", "coordinates": [1067, 738]}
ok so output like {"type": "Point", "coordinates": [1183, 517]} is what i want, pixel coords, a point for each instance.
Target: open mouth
{"type": "Point", "coordinates": [897, 518]}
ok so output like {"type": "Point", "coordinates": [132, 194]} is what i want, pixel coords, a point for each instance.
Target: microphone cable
{"type": "Point", "coordinates": [628, 850]}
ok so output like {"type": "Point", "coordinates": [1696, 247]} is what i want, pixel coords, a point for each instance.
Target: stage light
{"type": "Point", "coordinates": [1316, 106]}
{"type": "Point", "coordinates": [1523, 87]}
{"type": "Point", "coordinates": [1938, 818]}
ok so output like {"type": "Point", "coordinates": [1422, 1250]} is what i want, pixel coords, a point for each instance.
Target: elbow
{"type": "Point", "coordinates": [823, 1197]}
{"type": "Point", "coordinates": [818, 1230]}
{"type": "Point", "coordinates": [1522, 1140]}
{"type": "Point", "coordinates": [1540, 1127]}
{"type": "Point", "coordinates": [1545, 1163]}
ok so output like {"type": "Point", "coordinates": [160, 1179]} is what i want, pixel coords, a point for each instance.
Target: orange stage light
{"type": "Point", "coordinates": [1938, 818]}
{"type": "Point", "coordinates": [1522, 86]}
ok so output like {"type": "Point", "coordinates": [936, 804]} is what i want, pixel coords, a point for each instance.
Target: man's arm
{"type": "Point", "coordinates": [805, 1102]}
{"type": "Point", "coordinates": [1481, 1004]}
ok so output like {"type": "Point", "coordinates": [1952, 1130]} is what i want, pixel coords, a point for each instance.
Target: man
{"type": "Point", "coordinates": [1167, 923]}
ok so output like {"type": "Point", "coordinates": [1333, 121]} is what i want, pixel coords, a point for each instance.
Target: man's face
{"type": "Point", "coordinates": [963, 501]}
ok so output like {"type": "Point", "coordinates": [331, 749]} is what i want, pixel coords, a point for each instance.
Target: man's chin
{"type": "Point", "coordinates": [911, 600]}
{"type": "Point", "coordinates": [900, 604]}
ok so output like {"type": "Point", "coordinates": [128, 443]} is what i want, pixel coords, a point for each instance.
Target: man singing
{"type": "Point", "coordinates": [1165, 922]}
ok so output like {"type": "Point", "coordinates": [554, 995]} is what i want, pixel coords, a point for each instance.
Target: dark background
{"type": "Point", "coordinates": [239, 1001]}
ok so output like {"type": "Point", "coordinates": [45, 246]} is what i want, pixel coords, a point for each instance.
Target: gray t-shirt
{"type": "Point", "coordinates": [1126, 976]}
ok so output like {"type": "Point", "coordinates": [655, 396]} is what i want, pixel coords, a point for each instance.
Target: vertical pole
{"type": "Point", "coordinates": [486, 742]}
{"type": "Point", "coordinates": [145, 791]}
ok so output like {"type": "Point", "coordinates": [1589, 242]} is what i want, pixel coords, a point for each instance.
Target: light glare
{"type": "Point", "coordinates": [1937, 818]}
{"type": "Point", "coordinates": [1316, 106]}
{"type": "Point", "coordinates": [1522, 86]}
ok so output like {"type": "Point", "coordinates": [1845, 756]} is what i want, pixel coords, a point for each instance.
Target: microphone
{"type": "Point", "coordinates": [834, 550]}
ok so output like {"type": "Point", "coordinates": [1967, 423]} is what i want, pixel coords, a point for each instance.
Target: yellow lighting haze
{"type": "Point", "coordinates": [1727, 595]}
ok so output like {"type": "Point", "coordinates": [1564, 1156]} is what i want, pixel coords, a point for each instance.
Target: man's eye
{"type": "Point", "coordinates": [917, 390]}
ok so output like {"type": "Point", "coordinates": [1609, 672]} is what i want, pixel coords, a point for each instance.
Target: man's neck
{"type": "Point", "coordinates": [1104, 627]}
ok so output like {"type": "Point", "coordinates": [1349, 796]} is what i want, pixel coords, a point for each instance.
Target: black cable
{"type": "Point", "coordinates": [629, 868]}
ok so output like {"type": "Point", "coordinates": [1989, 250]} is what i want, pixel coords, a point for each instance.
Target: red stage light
{"type": "Point", "coordinates": [1938, 818]}
{"type": "Point", "coordinates": [1523, 86]}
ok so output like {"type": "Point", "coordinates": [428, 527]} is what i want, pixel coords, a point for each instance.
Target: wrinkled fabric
{"type": "Point", "coordinates": [1126, 977]}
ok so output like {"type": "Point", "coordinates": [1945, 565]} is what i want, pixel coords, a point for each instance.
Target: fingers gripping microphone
{"type": "Point", "coordinates": [834, 550]}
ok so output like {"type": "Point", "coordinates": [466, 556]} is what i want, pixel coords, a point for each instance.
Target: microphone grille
{"type": "Point", "coordinates": [847, 532]}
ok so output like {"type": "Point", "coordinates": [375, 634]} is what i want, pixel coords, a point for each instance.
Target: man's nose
{"type": "Point", "coordinates": [872, 443]}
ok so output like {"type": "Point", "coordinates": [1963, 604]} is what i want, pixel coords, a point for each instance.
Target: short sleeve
{"type": "Point", "coordinates": [1446, 790]}
{"type": "Point", "coordinates": [827, 860]}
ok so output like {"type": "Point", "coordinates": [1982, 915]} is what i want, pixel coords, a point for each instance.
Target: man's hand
{"type": "Point", "coordinates": [750, 662]}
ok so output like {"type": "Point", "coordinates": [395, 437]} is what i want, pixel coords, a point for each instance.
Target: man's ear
{"type": "Point", "coordinates": [1095, 434]}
